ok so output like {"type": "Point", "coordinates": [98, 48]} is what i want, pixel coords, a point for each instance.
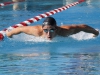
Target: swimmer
{"type": "Point", "coordinates": [16, 5]}
{"type": "Point", "coordinates": [49, 29]}
{"type": "Point", "coordinates": [17, 0]}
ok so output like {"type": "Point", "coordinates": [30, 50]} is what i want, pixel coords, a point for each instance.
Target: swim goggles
{"type": "Point", "coordinates": [49, 30]}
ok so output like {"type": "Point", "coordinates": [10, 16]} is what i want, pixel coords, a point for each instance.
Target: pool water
{"type": "Point", "coordinates": [24, 54]}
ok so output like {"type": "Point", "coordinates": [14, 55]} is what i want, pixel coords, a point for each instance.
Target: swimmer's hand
{"type": "Point", "coordinates": [8, 34]}
{"type": "Point", "coordinates": [96, 33]}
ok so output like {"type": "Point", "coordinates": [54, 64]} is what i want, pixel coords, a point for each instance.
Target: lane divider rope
{"type": "Point", "coordinates": [7, 3]}
{"type": "Point", "coordinates": [37, 18]}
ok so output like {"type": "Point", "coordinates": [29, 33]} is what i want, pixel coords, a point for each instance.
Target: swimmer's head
{"type": "Point", "coordinates": [49, 28]}
{"type": "Point", "coordinates": [49, 21]}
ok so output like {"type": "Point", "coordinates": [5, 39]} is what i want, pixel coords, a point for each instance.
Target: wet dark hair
{"type": "Point", "coordinates": [49, 21]}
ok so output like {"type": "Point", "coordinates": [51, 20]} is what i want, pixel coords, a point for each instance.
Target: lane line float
{"type": "Point", "coordinates": [37, 18]}
{"type": "Point", "coordinates": [7, 3]}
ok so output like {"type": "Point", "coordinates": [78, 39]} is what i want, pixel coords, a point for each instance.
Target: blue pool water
{"type": "Point", "coordinates": [78, 54]}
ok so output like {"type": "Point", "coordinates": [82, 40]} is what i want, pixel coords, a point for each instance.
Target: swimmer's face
{"type": "Point", "coordinates": [49, 31]}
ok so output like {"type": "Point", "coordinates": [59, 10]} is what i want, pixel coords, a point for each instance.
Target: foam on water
{"type": "Point", "coordinates": [83, 36]}
{"type": "Point", "coordinates": [28, 38]}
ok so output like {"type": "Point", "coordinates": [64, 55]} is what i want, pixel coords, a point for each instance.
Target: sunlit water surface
{"type": "Point", "coordinates": [77, 54]}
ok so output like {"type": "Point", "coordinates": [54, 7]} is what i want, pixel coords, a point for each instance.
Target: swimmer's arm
{"type": "Point", "coordinates": [85, 28]}
{"type": "Point", "coordinates": [13, 32]}
{"type": "Point", "coordinates": [18, 30]}
{"type": "Point", "coordinates": [31, 30]}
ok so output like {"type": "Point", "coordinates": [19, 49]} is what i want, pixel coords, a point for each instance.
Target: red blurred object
{"type": "Point", "coordinates": [81, 1]}
{"type": "Point", "coordinates": [1, 36]}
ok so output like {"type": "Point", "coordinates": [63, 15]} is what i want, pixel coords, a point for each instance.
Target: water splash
{"type": "Point", "coordinates": [83, 36]}
{"type": "Point", "coordinates": [29, 38]}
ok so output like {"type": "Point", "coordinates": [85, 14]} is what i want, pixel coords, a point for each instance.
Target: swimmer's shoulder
{"type": "Point", "coordinates": [38, 30]}
{"type": "Point", "coordinates": [34, 30]}
{"type": "Point", "coordinates": [65, 26]}
{"type": "Point", "coordinates": [36, 27]}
